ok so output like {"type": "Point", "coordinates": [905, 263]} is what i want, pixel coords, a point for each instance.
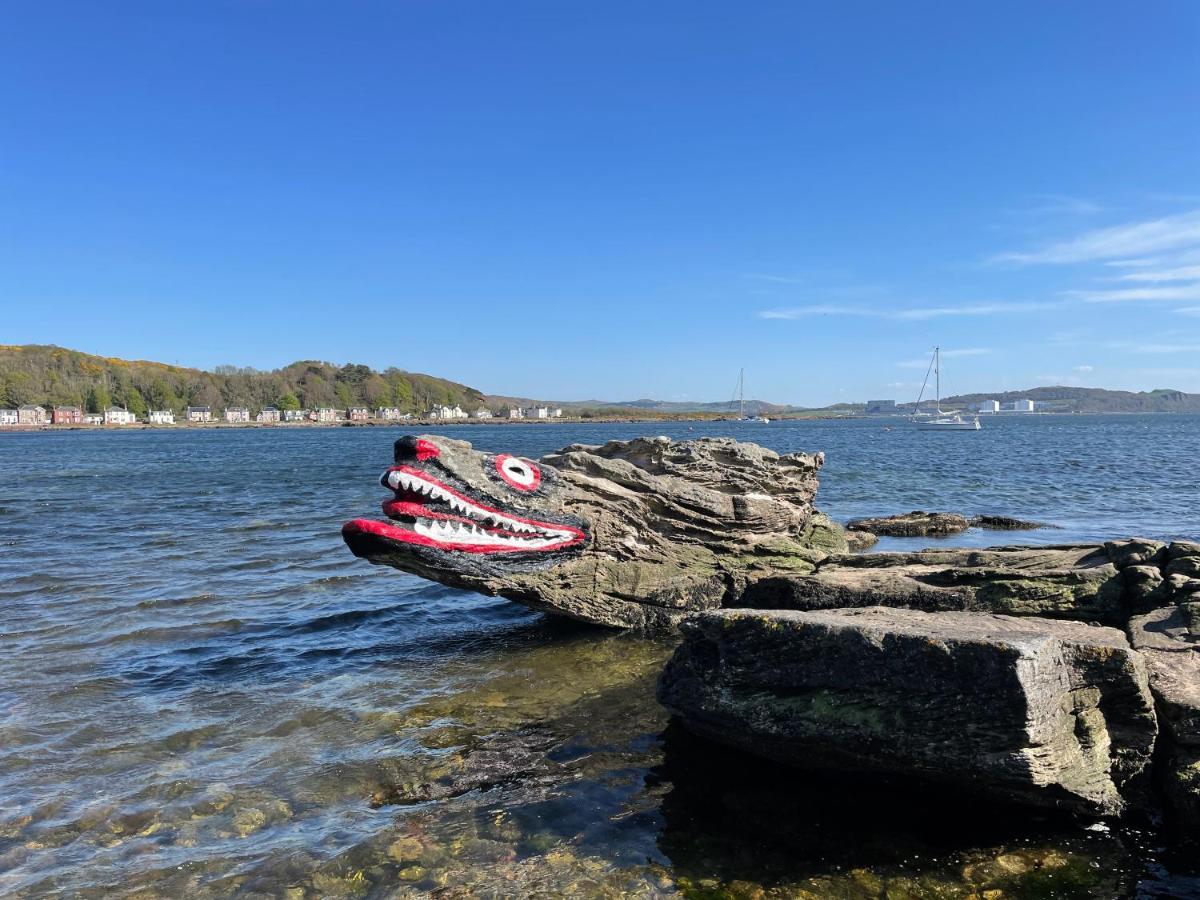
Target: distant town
{"type": "Point", "coordinates": [34, 416]}
{"type": "Point", "coordinates": [44, 386]}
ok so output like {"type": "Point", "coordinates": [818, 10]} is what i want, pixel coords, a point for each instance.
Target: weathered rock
{"type": "Point", "coordinates": [1156, 574]}
{"type": "Point", "coordinates": [913, 524]}
{"type": "Point", "coordinates": [1144, 587]}
{"type": "Point", "coordinates": [1004, 523]}
{"type": "Point", "coordinates": [1135, 552]}
{"type": "Point", "coordinates": [858, 541]}
{"type": "Point", "coordinates": [1043, 712]}
{"type": "Point", "coordinates": [1169, 641]}
{"type": "Point", "coordinates": [1070, 582]}
{"type": "Point", "coordinates": [1179, 549]}
{"type": "Point", "coordinates": [631, 534]}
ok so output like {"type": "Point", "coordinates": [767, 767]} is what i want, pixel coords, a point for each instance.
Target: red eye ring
{"type": "Point", "coordinates": [518, 473]}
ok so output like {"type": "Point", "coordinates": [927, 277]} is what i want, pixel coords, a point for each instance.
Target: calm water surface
{"type": "Point", "coordinates": [202, 692]}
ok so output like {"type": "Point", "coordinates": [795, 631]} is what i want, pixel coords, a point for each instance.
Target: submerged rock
{"type": "Point", "coordinates": [1066, 582]}
{"type": "Point", "coordinates": [1005, 523]}
{"type": "Point", "coordinates": [1043, 712]}
{"type": "Point", "coordinates": [858, 541]}
{"type": "Point", "coordinates": [631, 534]}
{"type": "Point", "coordinates": [913, 524]}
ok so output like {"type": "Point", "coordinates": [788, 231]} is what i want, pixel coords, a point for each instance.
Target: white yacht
{"type": "Point", "coordinates": [741, 402]}
{"type": "Point", "coordinates": [938, 420]}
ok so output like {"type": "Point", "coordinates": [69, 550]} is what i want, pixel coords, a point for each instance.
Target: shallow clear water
{"type": "Point", "coordinates": [203, 692]}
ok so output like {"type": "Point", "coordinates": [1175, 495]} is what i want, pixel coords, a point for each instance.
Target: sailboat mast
{"type": "Point", "coordinates": [937, 378]}
{"type": "Point", "coordinates": [742, 393]}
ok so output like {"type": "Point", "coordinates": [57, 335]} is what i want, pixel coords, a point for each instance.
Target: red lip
{"type": "Point", "coordinates": [464, 526]}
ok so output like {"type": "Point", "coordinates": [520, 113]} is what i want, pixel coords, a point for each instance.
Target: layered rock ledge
{"type": "Point", "coordinates": [1050, 713]}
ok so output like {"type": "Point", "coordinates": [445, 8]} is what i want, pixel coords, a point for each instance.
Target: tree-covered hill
{"type": "Point", "coordinates": [53, 376]}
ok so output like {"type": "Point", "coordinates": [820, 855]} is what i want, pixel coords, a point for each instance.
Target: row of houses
{"type": "Point", "coordinates": [114, 415]}
{"type": "Point", "coordinates": [515, 412]}
{"type": "Point", "coordinates": [65, 415]}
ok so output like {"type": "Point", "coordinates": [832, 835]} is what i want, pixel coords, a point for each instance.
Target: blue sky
{"type": "Point", "coordinates": [616, 200]}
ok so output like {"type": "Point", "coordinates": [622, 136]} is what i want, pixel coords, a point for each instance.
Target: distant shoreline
{"type": "Point", "coordinates": [459, 423]}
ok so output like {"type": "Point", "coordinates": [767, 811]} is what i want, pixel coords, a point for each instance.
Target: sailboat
{"type": "Point", "coordinates": [940, 421]}
{"type": "Point", "coordinates": [741, 399]}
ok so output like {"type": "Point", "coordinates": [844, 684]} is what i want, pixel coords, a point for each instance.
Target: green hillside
{"type": "Point", "coordinates": [52, 376]}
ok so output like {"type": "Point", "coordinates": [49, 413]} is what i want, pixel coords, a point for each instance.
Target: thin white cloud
{"type": "Point", "coordinates": [777, 279]}
{"type": "Point", "coordinates": [1189, 311]}
{"type": "Point", "coordinates": [1085, 368]}
{"type": "Point", "coordinates": [820, 309]}
{"type": "Point", "coordinates": [970, 351]}
{"type": "Point", "coordinates": [1166, 348]}
{"type": "Point", "coordinates": [1134, 263]}
{"type": "Point", "coordinates": [1179, 292]}
{"type": "Point", "coordinates": [1060, 204]}
{"type": "Point", "coordinates": [1118, 242]}
{"type": "Point", "coordinates": [977, 309]}
{"type": "Point", "coordinates": [912, 314]}
{"type": "Point", "coordinates": [1183, 273]}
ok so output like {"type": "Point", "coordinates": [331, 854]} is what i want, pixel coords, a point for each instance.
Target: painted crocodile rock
{"type": "Point", "coordinates": [632, 534]}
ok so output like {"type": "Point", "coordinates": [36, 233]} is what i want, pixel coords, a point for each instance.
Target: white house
{"type": "Point", "coordinates": [515, 413]}
{"type": "Point", "coordinates": [31, 415]}
{"type": "Point", "coordinates": [161, 417]}
{"type": "Point", "coordinates": [114, 415]}
{"type": "Point", "coordinates": [8, 417]}
{"type": "Point", "coordinates": [537, 412]}
{"type": "Point", "coordinates": [327, 414]}
{"type": "Point", "coordinates": [388, 413]}
{"type": "Point", "coordinates": [93, 419]}
{"type": "Point", "coordinates": [556, 413]}
{"type": "Point", "coordinates": [267, 414]}
{"type": "Point", "coordinates": [237, 414]}
{"type": "Point", "coordinates": [199, 414]}
{"type": "Point", "coordinates": [447, 412]}
{"type": "Point", "coordinates": [483, 413]}
{"type": "Point", "coordinates": [989, 406]}
{"type": "Point", "coordinates": [295, 415]}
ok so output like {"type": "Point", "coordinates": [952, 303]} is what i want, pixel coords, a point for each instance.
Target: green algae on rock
{"type": "Point", "coordinates": [1068, 718]}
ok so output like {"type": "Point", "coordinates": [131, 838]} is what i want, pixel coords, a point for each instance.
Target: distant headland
{"type": "Point", "coordinates": [44, 384]}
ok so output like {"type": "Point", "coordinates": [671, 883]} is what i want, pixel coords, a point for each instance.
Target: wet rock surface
{"type": "Point", "coordinates": [1005, 523]}
{"type": "Point", "coordinates": [1068, 582]}
{"type": "Point", "coordinates": [1048, 713]}
{"type": "Point", "coordinates": [917, 523]}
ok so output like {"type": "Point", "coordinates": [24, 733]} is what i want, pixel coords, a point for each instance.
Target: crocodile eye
{"type": "Point", "coordinates": [518, 473]}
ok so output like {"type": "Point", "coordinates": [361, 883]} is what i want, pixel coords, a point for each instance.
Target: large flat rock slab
{"type": "Point", "coordinates": [1069, 582]}
{"type": "Point", "coordinates": [1049, 713]}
